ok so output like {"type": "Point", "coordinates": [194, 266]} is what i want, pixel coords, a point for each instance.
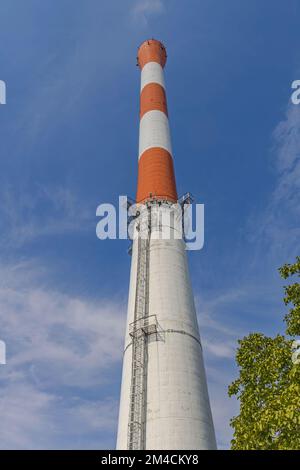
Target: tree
{"type": "Point", "coordinates": [268, 386]}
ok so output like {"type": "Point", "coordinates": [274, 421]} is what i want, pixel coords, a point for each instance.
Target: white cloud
{"type": "Point", "coordinates": [59, 348]}
{"type": "Point", "coordinates": [219, 338]}
{"type": "Point", "coordinates": [143, 9]}
{"type": "Point", "coordinates": [29, 213]}
{"type": "Point", "coordinates": [287, 139]}
{"type": "Point", "coordinates": [276, 230]}
{"type": "Point", "coordinates": [275, 233]}
{"type": "Point", "coordinates": [24, 415]}
{"type": "Point", "coordinates": [32, 418]}
{"type": "Point", "coordinates": [223, 407]}
{"type": "Point", "coordinates": [287, 151]}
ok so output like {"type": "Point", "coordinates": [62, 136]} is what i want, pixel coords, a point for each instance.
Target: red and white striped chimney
{"type": "Point", "coordinates": [164, 399]}
{"type": "Point", "coordinates": [156, 171]}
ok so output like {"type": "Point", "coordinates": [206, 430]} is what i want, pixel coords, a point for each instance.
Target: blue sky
{"type": "Point", "coordinates": [69, 139]}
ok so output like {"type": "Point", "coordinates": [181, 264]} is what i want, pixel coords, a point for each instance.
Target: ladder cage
{"type": "Point", "coordinates": [138, 331]}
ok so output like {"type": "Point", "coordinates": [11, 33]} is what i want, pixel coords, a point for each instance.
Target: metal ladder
{"type": "Point", "coordinates": [138, 331]}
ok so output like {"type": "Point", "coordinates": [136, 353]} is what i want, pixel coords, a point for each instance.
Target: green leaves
{"type": "Point", "coordinates": [268, 386]}
{"type": "Point", "coordinates": [292, 296]}
{"type": "Point", "coordinates": [290, 269]}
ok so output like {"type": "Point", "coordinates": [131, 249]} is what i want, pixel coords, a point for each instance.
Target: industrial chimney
{"type": "Point", "coordinates": [164, 399]}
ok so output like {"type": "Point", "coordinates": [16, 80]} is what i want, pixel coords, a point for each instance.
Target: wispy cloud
{"type": "Point", "coordinates": [58, 348]}
{"type": "Point", "coordinates": [143, 9]}
{"type": "Point", "coordinates": [27, 214]}
{"type": "Point", "coordinates": [219, 329]}
{"type": "Point", "coordinates": [277, 227]}
{"type": "Point", "coordinates": [219, 340]}
{"type": "Point", "coordinates": [32, 418]}
{"type": "Point", "coordinates": [226, 316]}
{"type": "Point", "coordinates": [286, 138]}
